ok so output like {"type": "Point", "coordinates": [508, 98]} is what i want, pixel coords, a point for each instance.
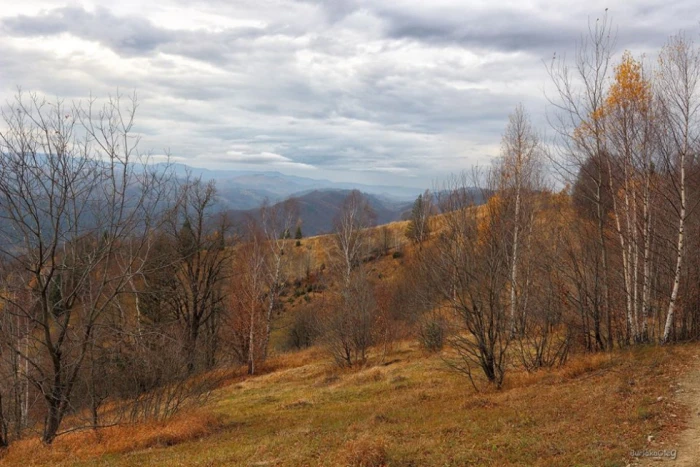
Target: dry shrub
{"type": "Point", "coordinates": [289, 360]}
{"type": "Point", "coordinates": [586, 364]}
{"type": "Point", "coordinates": [381, 418]}
{"type": "Point", "coordinates": [432, 334]}
{"type": "Point", "coordinates": [523, 379]}
{"type": "Point", "coordinates": [478, 402]}
{"type": "Point", "coordinates": [114, 440]}
{"type": "Point", "coordinates": [576, 367]}
{"type": "Point", "coordinates": [364, 452]}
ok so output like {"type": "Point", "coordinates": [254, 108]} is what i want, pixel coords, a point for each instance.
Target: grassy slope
{"type": "Point", "coordinates": [410, 412]}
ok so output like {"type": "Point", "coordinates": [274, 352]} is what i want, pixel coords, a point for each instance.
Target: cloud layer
{"type": "Point", "coordinates": [395, 92]}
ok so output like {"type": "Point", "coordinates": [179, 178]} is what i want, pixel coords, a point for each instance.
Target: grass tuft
{"type": "Point", "coordinates": [364, 452]}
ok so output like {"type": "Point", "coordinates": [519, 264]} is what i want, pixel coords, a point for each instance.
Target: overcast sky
{"type": "Point", "coordinates": [394, 92]}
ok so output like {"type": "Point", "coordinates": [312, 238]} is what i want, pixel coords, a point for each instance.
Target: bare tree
{"type": "Point", "coordinates": [199, 263]}
{"type": "Point", "coordinates": [349, 323]}
{"type": "Point", "coordinates": [262, 268]}
{"type": "Point", "coordinates": [76, 204]}
{"type": "Point", "coordinates": [549, 323]}
{"type": "Point", "coordinates": [519, 178]}
{"type": "Point", "coordinates": [351, 224]}
{"type": "Point", "coordinates": [629, 115]}
{"type": "Point", "coordinates": [468, 267]}
{"type": "Point", "coordinates": [580, 91]}
{"type": "Point", "coordinates": [276, 220]}
{"type": "Point", "coordinates": [248, 311]}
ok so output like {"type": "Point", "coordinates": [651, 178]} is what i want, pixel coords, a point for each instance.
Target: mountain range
{"type": "Point", "coordinates": [245, 189]}
{"type": "Point", "coordinates": [319, 208]}
{"type": "Point", "coordinates": [240, 193]}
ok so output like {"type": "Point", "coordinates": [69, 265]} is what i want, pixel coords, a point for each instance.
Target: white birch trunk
{"type": "Point", "coordinates": [679, 258]}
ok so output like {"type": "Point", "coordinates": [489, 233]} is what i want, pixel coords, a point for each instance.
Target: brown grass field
{"type": "Point", "coordinates": [406, 410]}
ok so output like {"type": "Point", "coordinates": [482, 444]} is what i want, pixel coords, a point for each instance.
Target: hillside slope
{"type": "Point", "coordinates": [406, 409]}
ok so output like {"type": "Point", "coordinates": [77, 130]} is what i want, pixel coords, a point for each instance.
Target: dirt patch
{"type": "Point", "coordinates": [684, 450]}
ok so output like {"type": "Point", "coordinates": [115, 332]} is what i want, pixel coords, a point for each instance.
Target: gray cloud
{"type": "Point", "coordinates": [500, 30]}
{"type": "Point", "coordinates": [348, 89]}
{"type": "Point", "coordinates": [130, 35]}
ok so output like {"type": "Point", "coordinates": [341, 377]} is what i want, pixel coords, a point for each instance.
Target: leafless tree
{"type": "Point", "coordinates": [276, 220]}
{"type": "Point", "coordinates": [351, 224]}
{"type": "Point", "coordinates": [519, 179]}
{"type": "Point", "coordinates": [349, 323]}
{"type": "Point", "coordinates": [248, 311]}
{"type": "Point", "coordinates": [419, 224]}
{"type": "Point", "coordinates": [578, 99]}
{"type": "Point", "coordinates": [468, 267]}
{"type": "Point", "coordinates": [198, 263]}
{"type": "Point", "coordinates": [76, 206]}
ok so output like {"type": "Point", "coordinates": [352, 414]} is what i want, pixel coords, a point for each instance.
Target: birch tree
{"type": "Point", "coordinates": [519, 177]}
{"type": "Point", "coordinates": [276, 220]}
{"type": "Point", "coordinates": [678, 78]}
{"type": "Point", "coordinates": [580, 91]}
{"type": "Point", "coordinates": [350, 236]}
{"type": "Point", "coordinates": [630, 130]}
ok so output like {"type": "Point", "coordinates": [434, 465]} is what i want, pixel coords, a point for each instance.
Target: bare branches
{"type": "Point", "coordinates": [74, 226]}
{"type": "Point", "coordinates": [350, 230]}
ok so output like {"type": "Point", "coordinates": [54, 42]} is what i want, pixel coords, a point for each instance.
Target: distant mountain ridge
{"type": "Point", "coordinates": [319, 208]}
{"type": "Point", "coordinates": [246, 189]}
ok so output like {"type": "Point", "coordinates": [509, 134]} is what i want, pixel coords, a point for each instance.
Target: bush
{"type": "Point", "coordinates": [432, 335]}
{"type": "Point", "coordinates": [350, 325]}
{"type": "Point", "coordinates": [304, 330]}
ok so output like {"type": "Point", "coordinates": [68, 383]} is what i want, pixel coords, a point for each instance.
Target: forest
{"type": "Point", "coordinates": [125, 293]}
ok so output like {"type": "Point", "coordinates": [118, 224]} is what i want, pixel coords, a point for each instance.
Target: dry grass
{"type": "Point", "coordinates": [412, 412]}
{"type": "Point", "coordinates": [85, 445]}
{"type": "Point", "coordinates": [364, 452]}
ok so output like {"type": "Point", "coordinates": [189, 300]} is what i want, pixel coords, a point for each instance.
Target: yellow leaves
{"type": "Point", "coordinates": [630, 91]}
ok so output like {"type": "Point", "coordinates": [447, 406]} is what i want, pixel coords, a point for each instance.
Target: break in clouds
{"type": "Point", "coordinates": [393, 92]}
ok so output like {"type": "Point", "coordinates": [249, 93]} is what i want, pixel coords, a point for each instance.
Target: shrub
{"type": "Point", "coordinates": [432, 335]}
{"type": "Point", "coordinates": [304, 330]}
{"type": "Point", "coordinates": [350, 325]}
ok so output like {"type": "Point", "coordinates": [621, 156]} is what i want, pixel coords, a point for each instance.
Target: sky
{"type": "Point", "coordinates": [396, 92]}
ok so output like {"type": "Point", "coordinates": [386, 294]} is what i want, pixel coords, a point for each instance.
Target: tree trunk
{"type": "Point", "coordinates": [679, 258]}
